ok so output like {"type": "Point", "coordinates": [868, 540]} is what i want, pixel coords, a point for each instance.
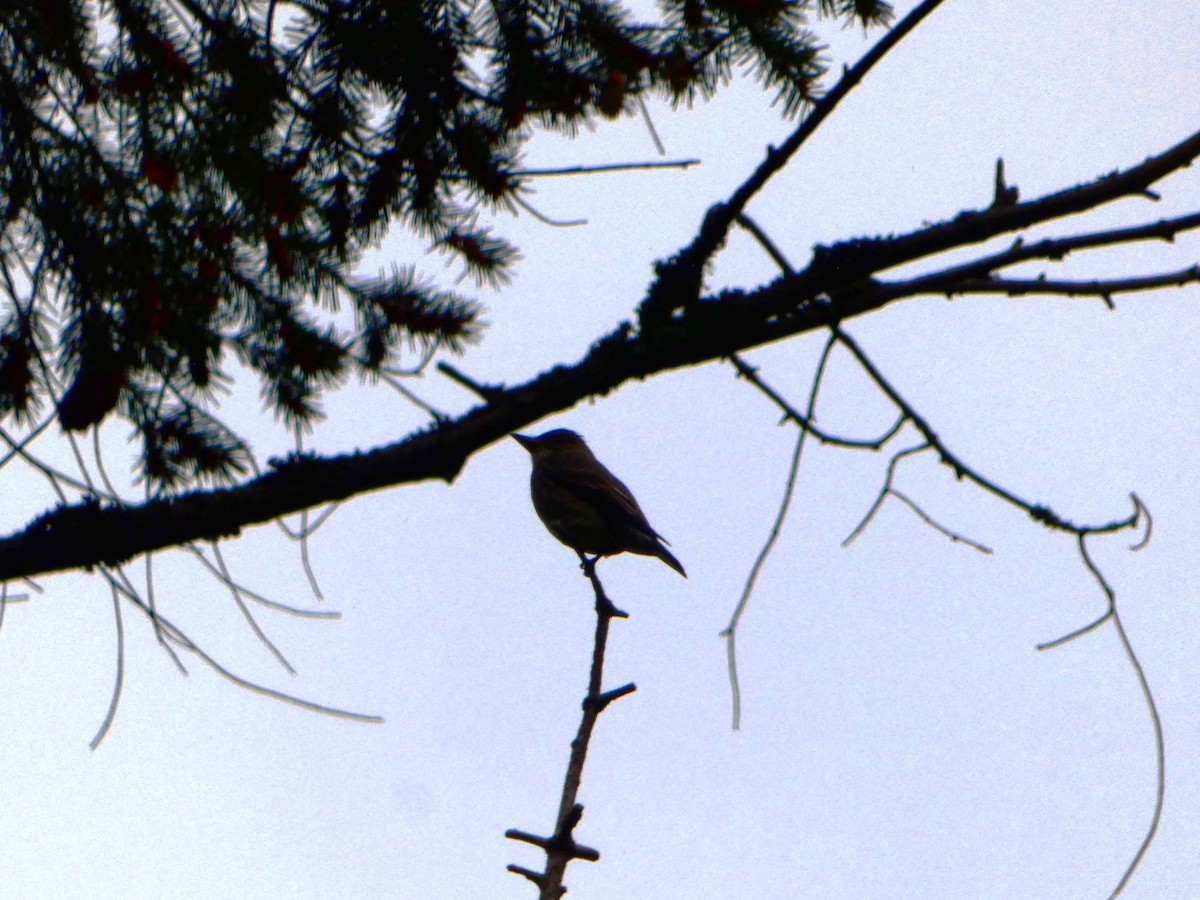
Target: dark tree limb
{"type": "Point", "coordinates": [679, 279]}
{"type": "Point", "coordinates": [838, 284]}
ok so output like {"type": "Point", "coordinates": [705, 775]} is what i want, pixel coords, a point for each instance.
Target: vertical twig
{"type": "Point", "coordinates": [561, 847]}
{"type": "Point", "coordinates": [785, 503]}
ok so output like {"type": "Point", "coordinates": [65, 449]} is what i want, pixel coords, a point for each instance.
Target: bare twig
{"type": "Point", "coordinates": [180, 639]}
{"type": "Point", "coordinates": [148, 568]}
{"type": "Point", "coordinates": [790, 413]}
{"type": "Point", "coordinates": [302, 537]}
{"type": "Point", "coordinates": [7, 598]}
{"type": "Point", "coordinates": [730, 632]}
{"type": "Point", "coordinates": [561, 847]}
{"type": "Point", "coordinates": [411, 396]}
{"type": "Point", "coordinates": [545, 219]}
{"type": "Point", "coordinates": [658, 144]}
{"type": "Point", "coordinates": [305, 532]}
{"type": "Point", "coordinates": [1039, 513]}
{"type": "Point", "coordinates": [1003, 193]}
{"type": "Point", "coordinates": [118, 678]}
{"type": "Point", "coordinates": [883, 492]}
{"type": "Point", "coordinates": [227, 580]}
{"type": "Point", "coordinates": [889, 489]}
{"type": "Point", "coordinates": [1143, 512]}
{"type": "Point", "coordinates": [1113, 614]}
{"type": "Point", "coordinates": [259, 598]}
{"type": "Point", "coordinates": [1159, 754]}
{"type": "Point", "coordinates": [604, 169]}
{"type": "Point", "coordinates": [944, 281]}
{"type": "Point", "coordinates": [1104, 288]}
{"type": "Point", "coordinates": [954, 536]}
{"type": "Point", "coordinates": [487, 392]}
{"type": "Point", "coordinates": [115, 576]}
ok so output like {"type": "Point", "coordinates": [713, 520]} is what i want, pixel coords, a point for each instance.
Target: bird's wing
{"type": "Point", "coordinates": [603, 491]}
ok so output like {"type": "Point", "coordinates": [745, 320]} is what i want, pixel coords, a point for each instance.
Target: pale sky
{"type": "Point", "coordinates": [901, 737]}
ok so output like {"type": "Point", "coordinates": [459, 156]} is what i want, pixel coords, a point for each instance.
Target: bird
{"type": "Point", "coordinates": [584, 505]}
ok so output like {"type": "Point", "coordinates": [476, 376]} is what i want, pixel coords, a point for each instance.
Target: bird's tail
{"type": "Point", "coordinates": [666, 556]}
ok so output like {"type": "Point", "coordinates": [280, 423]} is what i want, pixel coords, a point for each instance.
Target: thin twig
{"type": "Point", "coordinates": [116, 577]}
{"type": "Point", "coordinates": [1159, 754]}
{"type": "Point", "coordinates": [561, 847]}
{"type": "Point", "coordinates": [604, 169]}
{"type": "Point", "coordinates": [118, 679]}
{"type": "Point", "coordinates": [1113, 614]}
{"type": "Point", "coordinates": [303, 538]}
{"type": "Point", "coordinates": [730, 632]}
{"type": "Point", "coordinates": [411, 396]}
{"type": "Point", "coordinates": [1143, 512]}
{"type": "Point", "coordinates": [790, 413]}
{"type": "Point", "coordinates": [954, 536]}
{"type": "Point", "coordinates": [227, 579]}
{"type": "Point", "coordinates": [658, 144]}
{"type": "Point", "coordinates": [1039, 513]}
{"type": "Point", "coordinates": [182, 640]}
{"type": "Point", "coordinates": [148, 568]}
{"type": "Point", "coordinates": [1101, 287]}
{"type": "Point", "coordinates": [483, 391]}
{"type": "Point", "coordinates": [259, 598]}
{"type": "Point", "coordinates": [1053, 248]}
{"type": "Point", "coordinates": [545, 219]}
{"type": "Point", "coordinates": [883, 492]}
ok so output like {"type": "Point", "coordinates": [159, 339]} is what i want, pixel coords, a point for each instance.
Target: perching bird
{"type": "Point", "coordinates": [583, 504]}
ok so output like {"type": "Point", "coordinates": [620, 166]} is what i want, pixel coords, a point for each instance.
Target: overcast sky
{"type": "Point", "coordinates": [901, 737]}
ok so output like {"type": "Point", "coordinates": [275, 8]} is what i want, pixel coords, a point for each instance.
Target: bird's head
{"type": "Point", "coordinates": [558, 441]}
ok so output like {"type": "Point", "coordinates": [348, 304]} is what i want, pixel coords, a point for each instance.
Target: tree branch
{"type": "Point", "coordinates": [601, 169]}
{"type": "Point", "coordinates": [561, 847]}
{"type": "Point", "coordinates": [837, 285]}
{"type": "Point", "coordinates": [1104, 288]}
{"type": "Point", "coordinates": [679, 280]}
{"type": "Point", "coordinates": [1039, 513]}
{"type": "Point", "coordinates": [790, 413]}
{"type": "Point", "coordinates": [1056, 249]}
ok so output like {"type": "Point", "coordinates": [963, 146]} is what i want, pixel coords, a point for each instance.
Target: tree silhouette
{"type": "Point", "coordinates": [194, 184]}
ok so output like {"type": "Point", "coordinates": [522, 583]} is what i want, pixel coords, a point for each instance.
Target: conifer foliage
{"type": "Point", "coordinates": [188, 182]}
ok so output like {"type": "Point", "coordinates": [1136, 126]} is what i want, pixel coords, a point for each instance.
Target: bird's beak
{"type": "Point", "coordinates": [525, 441]}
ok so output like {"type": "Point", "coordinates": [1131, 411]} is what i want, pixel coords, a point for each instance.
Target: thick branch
{"type": "Point", "coordinates": [837, 285]}
{"type": "Point", "coordinates": [679, 280]}
{"type": "Point", "coordinates": [844, 267]}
